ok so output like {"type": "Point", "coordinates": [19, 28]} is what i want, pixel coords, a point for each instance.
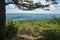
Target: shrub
{"type": "Point", "coordinates": [11, 29]}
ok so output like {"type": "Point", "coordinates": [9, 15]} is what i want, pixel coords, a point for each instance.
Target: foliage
{"type": "Point", "coordinates": [50, 30]}
{"type": "Point", "coordinates": [55, 21]}
{"type": "Point", "coordinates": [11, 29]}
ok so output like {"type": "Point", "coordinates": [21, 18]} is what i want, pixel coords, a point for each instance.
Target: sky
{"type": "Point", "coordinates": [58, 0]}
{"type": "Point", "coordinates": [33, 0]}
{"type": "Point", "coordinates": [12, 8]}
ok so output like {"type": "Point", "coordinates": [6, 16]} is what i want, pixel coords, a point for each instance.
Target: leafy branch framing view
{"type": "Point", "coordinates": [30, 5]}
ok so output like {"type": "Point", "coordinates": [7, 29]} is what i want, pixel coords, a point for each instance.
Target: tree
{"type": "Point", "coordinates": [30, 4]}
{"type": "Point", "coordinates": [2, 20]}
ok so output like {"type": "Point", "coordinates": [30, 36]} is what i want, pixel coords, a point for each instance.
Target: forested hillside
{"type": "Point", "coordinates": [33, 30]}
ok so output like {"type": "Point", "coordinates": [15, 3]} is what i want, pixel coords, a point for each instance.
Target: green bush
{"type": "Point", "coordinates": [11, 29]}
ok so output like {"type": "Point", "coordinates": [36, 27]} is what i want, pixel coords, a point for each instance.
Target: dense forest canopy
{"type": "Point", "coordinates": [48, 29]}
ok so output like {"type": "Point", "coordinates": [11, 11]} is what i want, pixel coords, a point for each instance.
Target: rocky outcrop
{"type": "Point", "coordinates": [27, 37]}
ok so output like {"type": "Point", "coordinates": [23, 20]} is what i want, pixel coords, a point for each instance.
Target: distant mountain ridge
{"type": "Point", "coordinates": [30, 16]}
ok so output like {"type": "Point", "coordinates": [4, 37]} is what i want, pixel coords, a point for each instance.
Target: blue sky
{"type": "Point", "coordinates": [58, 0]}
{"type": "Point", "coordinates": [12, 8]}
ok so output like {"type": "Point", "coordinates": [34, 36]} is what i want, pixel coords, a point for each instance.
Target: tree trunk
{"type": "Point", "coordinates": [2, 20]}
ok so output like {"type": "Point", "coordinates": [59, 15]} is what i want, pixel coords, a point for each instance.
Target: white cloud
{"type": "Point", "coordinates": [42, 1]}
{"type": "Point", "coordinates": [58, 6]}
{"type": "Point", "coordinates": [11, 7]}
